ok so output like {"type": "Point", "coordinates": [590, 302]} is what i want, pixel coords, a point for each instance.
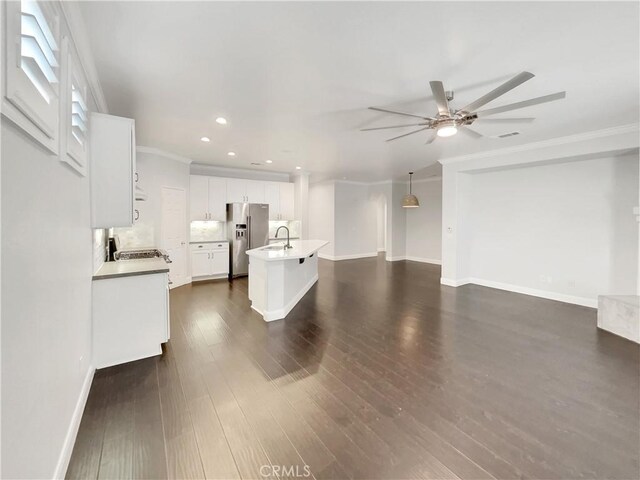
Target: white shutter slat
{"type": "Point", "coordinates": [77, 109]}
{"type": "Point", "coordinates": [76, 121]}
{"type": "Point", "coordinates": [31, 28]}
{"type": "Point", "coordinates": [77, 97]}
{"type": "Point", "coordinates": [31, 7]}
{"type": "Point", "coordinates": [31, 68]}
{"type": "Point", "coordinates": [31, 49]}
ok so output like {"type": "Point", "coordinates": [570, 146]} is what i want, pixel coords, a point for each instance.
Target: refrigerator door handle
{"type": "Point", "coordinates": [249, 232]}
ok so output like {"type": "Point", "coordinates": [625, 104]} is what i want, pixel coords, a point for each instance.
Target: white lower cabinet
{"type": "Point", "coordinates": [209, 260]}
{"type": "Point", "coordinates": [130, 318]}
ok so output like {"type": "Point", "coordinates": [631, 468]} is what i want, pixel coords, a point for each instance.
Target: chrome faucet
{"type": "Point", "coordinates": [288, 244]}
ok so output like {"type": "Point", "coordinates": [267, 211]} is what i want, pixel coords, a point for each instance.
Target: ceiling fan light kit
{"type": "Point", "coordinates": [447, 128]}
{"type": "Point", "coordinates": [410, 200]}
{"type": "Point", "coordinates": [448, 120]}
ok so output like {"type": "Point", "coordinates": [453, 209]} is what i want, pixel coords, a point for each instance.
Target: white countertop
{"type": "Point", "coordinates": [301, 249]}
{"type": "Point", "coordinates": [127, 268]}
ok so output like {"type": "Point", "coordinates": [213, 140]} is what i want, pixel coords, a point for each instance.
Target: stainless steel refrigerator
{"type": "Point", "coordinates": [247, 228]}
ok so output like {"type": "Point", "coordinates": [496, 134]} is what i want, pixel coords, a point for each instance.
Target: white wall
{"type": "Point", "coordinates": [322, 215]}
{"type": "Point", "coordinates": [424, 224]}
{"type": "Point", "coordinates": [565, 228]}
{"type": "Point", "coordinates": [47, 266]}
{"type": "Point", "coordinates": [355, 221]}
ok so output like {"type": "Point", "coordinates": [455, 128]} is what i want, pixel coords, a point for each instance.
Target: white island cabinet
{"type": "Point", "coordinates": [279, 278]}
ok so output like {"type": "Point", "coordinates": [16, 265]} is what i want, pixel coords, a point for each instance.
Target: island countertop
{"type": "Point", "coordinates": [127, 268]}
{"type": "Point", "coordinates": [301, 249]}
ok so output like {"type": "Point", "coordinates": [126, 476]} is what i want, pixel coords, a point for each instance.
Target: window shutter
{"type": "Point", "coordinates": [33, 55]}
{"type": "Point", "coordinates": [77, 114]}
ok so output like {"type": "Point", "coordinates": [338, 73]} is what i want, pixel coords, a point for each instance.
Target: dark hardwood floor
{"type": "Point", "coordinates": [379, 372]}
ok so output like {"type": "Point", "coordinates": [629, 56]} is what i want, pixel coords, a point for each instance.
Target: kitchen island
{"type": "Point", "coordinates": [279, 277]}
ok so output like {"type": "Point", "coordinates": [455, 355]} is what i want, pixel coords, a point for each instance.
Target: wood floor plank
{"type": "Point", "coordinates": [393, 377]}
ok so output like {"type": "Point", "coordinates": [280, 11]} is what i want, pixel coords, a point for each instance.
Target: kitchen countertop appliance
{"type": "Point", "coordinates": [247, 228]}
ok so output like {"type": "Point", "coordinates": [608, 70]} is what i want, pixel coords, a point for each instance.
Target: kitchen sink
{"type": "Point", "coordinates": [273, 247]}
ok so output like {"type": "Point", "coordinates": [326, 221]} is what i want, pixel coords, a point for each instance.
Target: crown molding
{"type": "Point", "coordinates": [554, 142]}
{"type": "Point", "coordinates": [78, 34]}
{"type": "Point", "coordinates": [162, 153]}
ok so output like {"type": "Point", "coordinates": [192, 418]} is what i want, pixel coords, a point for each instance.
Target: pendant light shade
{"type": "Point", "coordinates": [410, 200]}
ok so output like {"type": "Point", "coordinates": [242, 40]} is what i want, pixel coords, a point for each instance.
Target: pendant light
{"type": "Point", "coordinates": [410, 200]}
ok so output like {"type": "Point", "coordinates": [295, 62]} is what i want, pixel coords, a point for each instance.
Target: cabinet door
{"type": "Point", "coordinates": [272, 197]}
{"type": "Point", "coordinates": [113, 162]}
{"type": "Point", "coordinates": [220, 262]}
{"type": "Point", "coordinates": [236, 190]}
{"type": "Point", "coordinates": [287, 202]}
{"type": "Point", "coordinates": [199, 198]}
{"type": "Point", "coordinates": [201, 264]}
{"type": "Point", "coordinates": [217, 199]}
{"type": "Point", "coordinates": [255, 191]}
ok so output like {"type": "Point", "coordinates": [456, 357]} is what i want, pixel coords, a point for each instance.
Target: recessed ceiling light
{"type": "Point", "coordinates": [205, 139]}
{"type": "Point", "coordinates": [231, 154]}
{"type": "Point", "coordinates": [298, 168]}
{"type": "Point", "coordinates": [221, 120]}
{"type": "Point", "coordinates": [269, 161]}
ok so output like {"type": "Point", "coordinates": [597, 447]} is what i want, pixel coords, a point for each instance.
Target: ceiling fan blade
{"type": "Point", "coordinates": [507, 120]}
{"type": "Point", "coordinates": [526, 103]}
{"type": "Point", "coordinates": [393, 126]}
{"type": "Point", "coordinates": [405, 134]}
{"type": "Point", "coordinates": [441, 97]}
{"type": "Point", "coordinates": [400, 113]}
{"type": "Point", "coordinates": [470, 132]}
{"type": "Point", "coordinates": [431, 140]}
{"type": "Point", "coordinates": [496, 92]}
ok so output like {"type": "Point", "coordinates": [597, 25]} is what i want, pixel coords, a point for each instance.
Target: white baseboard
{"type": "Point", "coordinates": [560, 297]}
{"type": "Point", "coordinates": [454, 283]}
{"type": "Point", "coordinates": [414, 259]}
{"type": "Point", "coordinates": [72, 431]}
{"type": "Point", "coordinates": [381, 250]}
{"type": "Point", "coordinates": [423, 260]}
{"type": "Point", "coordinates": [337, 258]}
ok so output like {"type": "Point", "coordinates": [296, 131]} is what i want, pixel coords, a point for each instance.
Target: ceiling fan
{"type": "Point", "coordinates": [448, 121]}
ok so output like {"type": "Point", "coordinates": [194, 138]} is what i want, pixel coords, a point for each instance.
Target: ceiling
{"type": "Point", "coordinates": [294, 80]}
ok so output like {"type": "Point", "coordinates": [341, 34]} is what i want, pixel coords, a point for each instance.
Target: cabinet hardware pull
{"type": "Point", "coordinates": [137, 214]}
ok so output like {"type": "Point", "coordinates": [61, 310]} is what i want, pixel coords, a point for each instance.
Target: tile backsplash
{"type": "Point", "coordinates": [293, 225]}
{"type": "Point", "coordinates": [139, 235]}
{"type": "Point", "coordinates": [208, 231]}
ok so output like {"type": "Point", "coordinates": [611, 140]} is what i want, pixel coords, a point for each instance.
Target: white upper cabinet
{"type": "Point", "coordinates": [279, 196]}
{"type": "Point", "coordinates": [236, 190]}
{"type": "Point", "coordinates": [255, 191]}
{"type": "Point", "coordinates": [217, 199]}
{"type": "Point", "coordinates": [208, 197]}
{"type": "Point", "coordinates": [113, 163]}
{"type": "Point", "coordinates": [240, 190]}
{"type": "Point", "coordinates": [199, 198]}
{"type": "Point", "coordinates": [32, 65]}
{"type": "Point", "coordinates": [272, 197]}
